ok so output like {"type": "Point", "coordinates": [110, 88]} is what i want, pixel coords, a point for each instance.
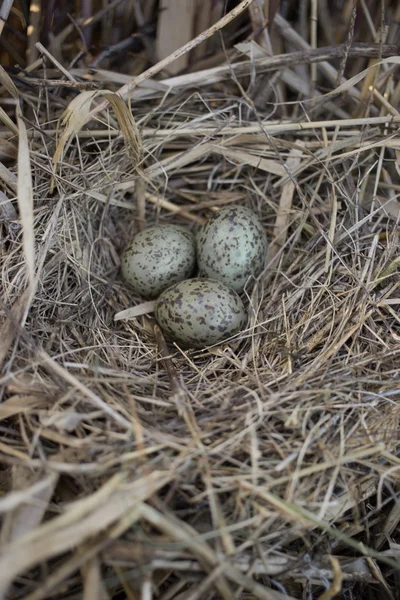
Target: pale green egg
{"type": "Point", "coordinates": [232, 247]}
{"type": "Point", "coordinates": [158, 257]}
{"type": "Point", "coordinates": [200, 312]}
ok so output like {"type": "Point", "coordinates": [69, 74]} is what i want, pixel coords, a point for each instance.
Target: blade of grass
{"type": "Point", "coordinates": [25, 200]}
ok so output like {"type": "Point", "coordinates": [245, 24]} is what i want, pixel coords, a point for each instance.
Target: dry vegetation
{"type": "Point", "coordinates": [266, 468]}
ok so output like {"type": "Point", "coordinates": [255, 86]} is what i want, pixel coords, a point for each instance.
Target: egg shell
{"type": "Point", "coordinates": [158, 257]}
{"type": "Point", "coordinates": [200, 312]}
{"type": "Point", "coordinates": [232, 246]}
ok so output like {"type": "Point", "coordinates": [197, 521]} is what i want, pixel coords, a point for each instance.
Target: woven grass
{"type": "Point", "coordinates": [266, 467]}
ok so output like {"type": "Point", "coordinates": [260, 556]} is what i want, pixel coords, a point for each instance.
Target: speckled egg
{"type": "Point", "coordinates": [158, 257]}
{"type": "Point", "coordinates": [232, 246]}
{"type": "Point", "coordinates": [200, 312]}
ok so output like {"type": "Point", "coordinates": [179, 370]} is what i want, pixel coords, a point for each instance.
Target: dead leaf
{"type": "Point", "coordinates": [27, 502]}
{"type": "Point", "coordinates": [20, 404]}
{"type": "Point", "coordinates": [76, 115]}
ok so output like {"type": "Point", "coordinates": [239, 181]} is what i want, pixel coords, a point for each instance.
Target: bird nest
{"type": "Point", "coordinates": [266, 467]}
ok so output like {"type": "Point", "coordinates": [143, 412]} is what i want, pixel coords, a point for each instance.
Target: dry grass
{"type": "Point", "coordinates": [267, 467]}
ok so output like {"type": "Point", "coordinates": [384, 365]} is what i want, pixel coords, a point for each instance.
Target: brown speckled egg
{"type": "Point", "coordinates": [158, 257]}
{"type": "Point", "coordinates": [200, 312]}
{"type": "Point", "coordinates": [232, 246]}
